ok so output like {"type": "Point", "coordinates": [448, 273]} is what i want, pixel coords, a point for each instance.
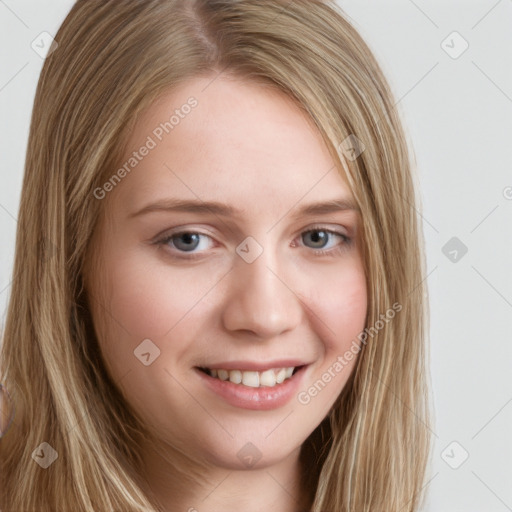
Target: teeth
{"type": "Point", "coordinates": [235, 376]}
{"type": "Point", "coordinates": [251, 379]}
{"type": "Point", "coordinates": [222, 374]}
{"type": "Point", "coordinates": [267, 378]}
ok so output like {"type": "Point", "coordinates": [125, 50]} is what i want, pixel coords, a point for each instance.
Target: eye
{"type": "Point", "coordinates": [192, 244]}
{"type": "Point", "coordinates": [185, 242]}
{"type": "Point", "coordinates": [319, 237]}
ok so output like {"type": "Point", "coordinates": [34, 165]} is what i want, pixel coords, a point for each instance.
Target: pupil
{"type": "Point", "coordinates": [188, 238]}
{"type": "Point", "coordinates": [318, 236]}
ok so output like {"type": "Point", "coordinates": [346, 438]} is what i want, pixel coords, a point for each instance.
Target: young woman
{"type": "Point", "coordinates": [218, 298]}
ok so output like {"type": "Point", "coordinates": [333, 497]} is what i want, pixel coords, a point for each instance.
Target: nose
{"type": "Point", "coordinates": [260, 300]}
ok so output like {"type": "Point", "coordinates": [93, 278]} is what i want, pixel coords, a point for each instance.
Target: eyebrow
{"type": "Point", "coordinates": [225, 210]}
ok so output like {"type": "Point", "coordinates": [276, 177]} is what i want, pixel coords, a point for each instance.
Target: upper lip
{"type": "Point", "coordinates": [254, 365]}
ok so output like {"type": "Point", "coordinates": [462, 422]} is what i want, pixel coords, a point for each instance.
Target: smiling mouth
{"type": "Point", "coordinates": [267, 378]}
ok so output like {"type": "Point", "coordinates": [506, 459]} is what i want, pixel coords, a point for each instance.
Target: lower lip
{"type": "Point", "coordinates": [258, 399]}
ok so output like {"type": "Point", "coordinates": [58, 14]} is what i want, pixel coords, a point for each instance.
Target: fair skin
{"type": "Point", "coordinates": [251, 148]}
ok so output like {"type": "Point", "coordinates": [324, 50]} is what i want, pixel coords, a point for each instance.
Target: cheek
{"type": "Point", "coordinates": [347, 315]}
{"type": "Point", "coordinates": [341, 303]}
{"type": "Point", "coordinates": [173, 305]}
{"type": "Point", "coordinates": [150, 302]}
{"type": "Point", "coordinates": [340, 312]}
{"type": "Point", "coordinates": [144, 302]}
{"type": "Point", "coordinates": [154, 302]}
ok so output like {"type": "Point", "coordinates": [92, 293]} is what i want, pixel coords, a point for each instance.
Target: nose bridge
{"type": "Point", "coordinates": [260, 300]}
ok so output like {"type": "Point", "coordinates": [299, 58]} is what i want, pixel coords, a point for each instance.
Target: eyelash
{"type": "Point", "coordinates": [164, 241]}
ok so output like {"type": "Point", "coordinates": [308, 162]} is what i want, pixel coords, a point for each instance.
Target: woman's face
{"type": "Point", "coordinates": [218, 257]}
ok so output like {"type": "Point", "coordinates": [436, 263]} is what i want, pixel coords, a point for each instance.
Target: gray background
{"type": "Point", "coordinates": [457, 110]}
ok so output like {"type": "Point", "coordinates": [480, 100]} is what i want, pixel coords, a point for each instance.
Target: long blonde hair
{"type": "Point", "coordinates": [113, 59]}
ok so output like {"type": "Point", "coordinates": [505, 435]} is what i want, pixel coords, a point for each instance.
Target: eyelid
{"type": "Point", "coordinates": [337, 229]}
{"type": "Point", "coordinates": [334, 228]}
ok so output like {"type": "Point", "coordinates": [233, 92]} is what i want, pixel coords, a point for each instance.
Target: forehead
{"type": "Point", "coordinates": [222, 139]}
